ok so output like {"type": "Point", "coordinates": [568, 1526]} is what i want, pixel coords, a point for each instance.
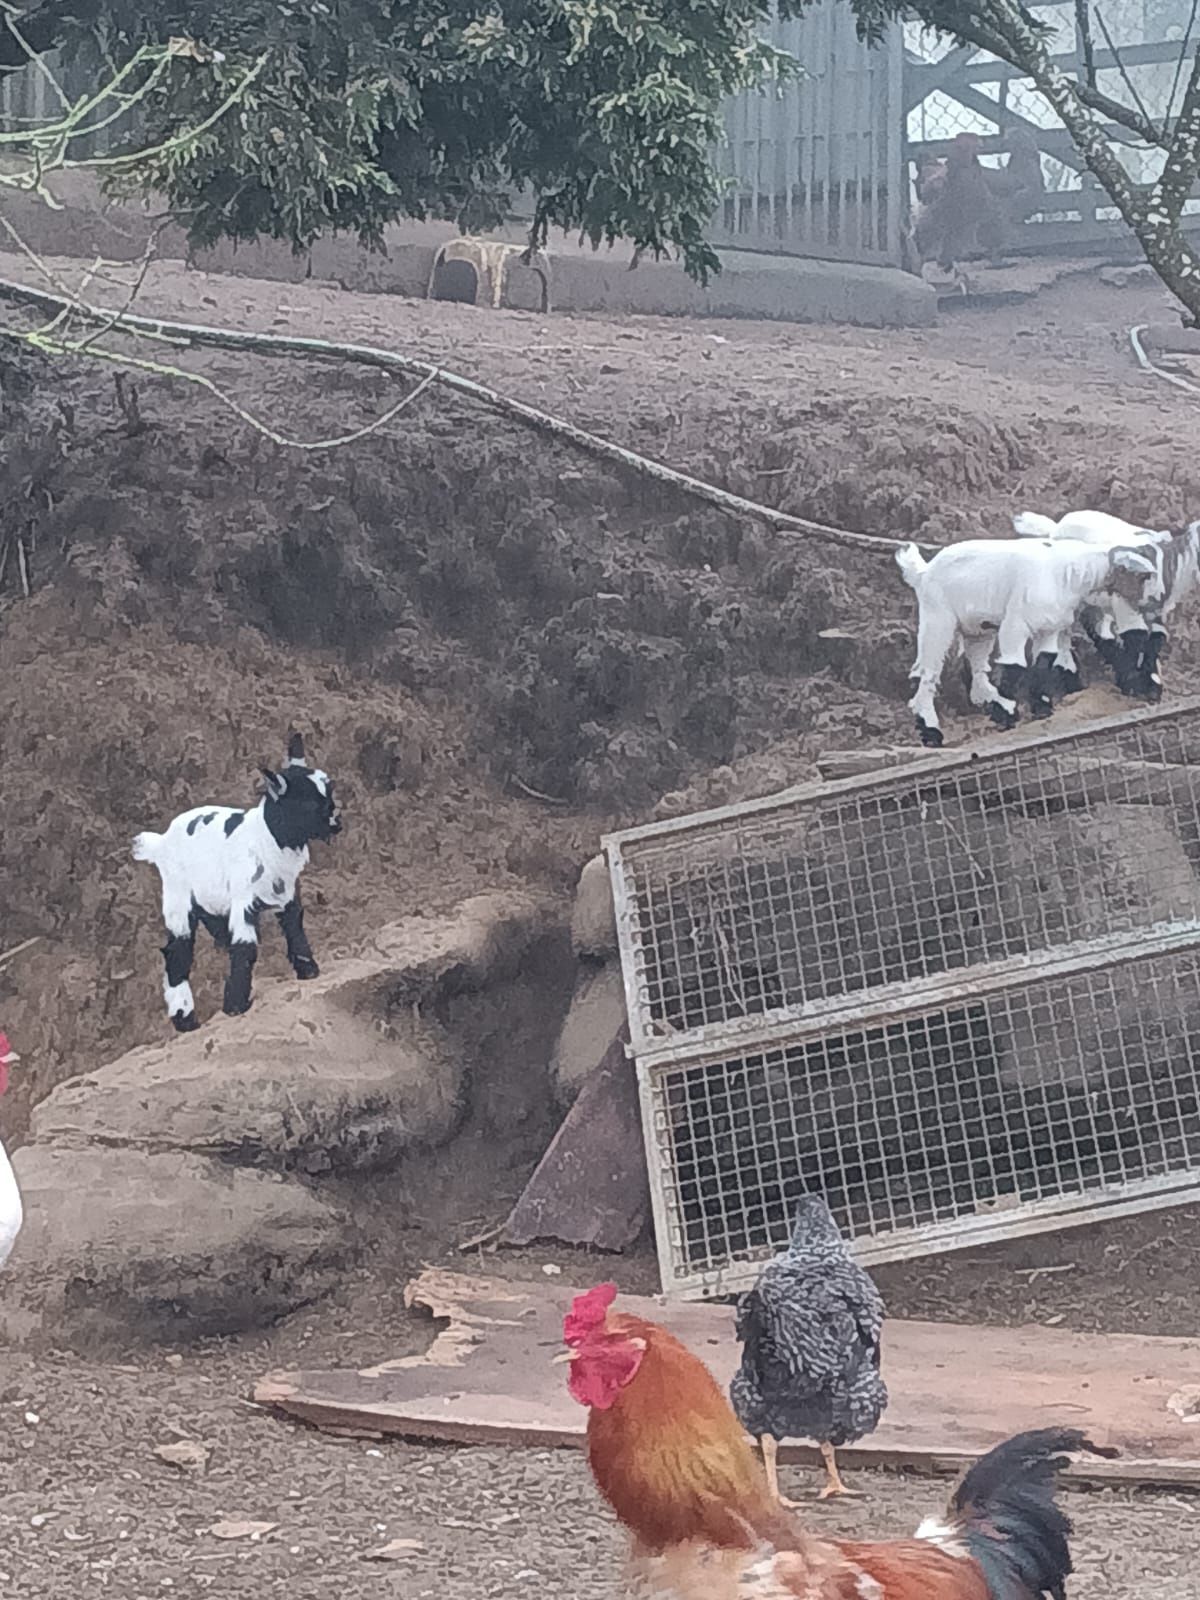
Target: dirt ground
{"type": "Point", "coordinates": [461, 612]}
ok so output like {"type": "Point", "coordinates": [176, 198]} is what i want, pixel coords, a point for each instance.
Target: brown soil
{"type": "Point", "coordinates": [453, 609]}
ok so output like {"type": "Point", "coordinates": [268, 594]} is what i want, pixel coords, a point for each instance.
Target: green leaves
{"type": "Point", "coordinates": [607, 111]}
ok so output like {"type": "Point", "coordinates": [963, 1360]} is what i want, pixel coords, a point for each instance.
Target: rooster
{"type": "Point", "coordinates": [670, 1458]}
{"type": "Point", "coordinates": [10, 1198]}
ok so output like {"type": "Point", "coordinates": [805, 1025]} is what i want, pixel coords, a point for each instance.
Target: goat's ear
{"type": "Point", "coordinates": [1131, 561]}
{"type": "Point", "coordinates": [276, 783]}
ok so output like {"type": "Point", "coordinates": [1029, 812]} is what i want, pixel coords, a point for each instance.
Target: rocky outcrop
{"type": "Point", "coordinates": [118, 1242]}
{"type": "Point", "coordinates": [178, 1188]}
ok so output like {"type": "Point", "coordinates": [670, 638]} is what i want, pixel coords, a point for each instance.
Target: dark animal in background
{"type": "Point", "coordinates": [221, 868]}
{"type": "Point", "coordinates": [810, 1334]}
{"type": "Point", "coordinates": [965, 208]}
{"type": "Point", "coordinates": [1019, 185]}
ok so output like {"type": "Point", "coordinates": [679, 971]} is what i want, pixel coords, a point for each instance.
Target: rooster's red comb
{"type": "Point", "coordinates": [587, 1312]}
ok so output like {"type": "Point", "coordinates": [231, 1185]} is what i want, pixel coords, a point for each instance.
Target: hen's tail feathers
{"type": "Point", "coordinates": [911, 563]}
{"type": "Point", "coordinates": [1032, 525]}
{"type": "Point", "coordinates": [146, 846]}
{"type": "Point", "coordinates": [1005, 1512]}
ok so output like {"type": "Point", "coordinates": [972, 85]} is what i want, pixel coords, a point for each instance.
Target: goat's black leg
{"type": "Point", "coordinates": [177, 953]}
{"type": "Point", "coordinates": [1128, 667]}
{"type": "Point", "coordinates": [1152, 679]}
{"type": "Point", "coordinates": [1106, 648]}
{"type": "Point", "coordinates": [1038, 685]}
{"type": "Point", "coordinates": [299, 951]}
{"type": "Point", "coordinates": [1012, 677]}
{"type": "Point", "coordinates": [243, 953]}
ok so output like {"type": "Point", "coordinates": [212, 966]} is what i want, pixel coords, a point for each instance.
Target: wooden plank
{"type": "Point", "coordinates": [590, 1188]}
{"type": "Point", "coordinates": [956, 1389]}
{"type": "Point", "coordinates": [850, 763]}
{"type": "Point", "coordinates": [923, 78]}
{"type": "Point", "coordinates": [928, 76]}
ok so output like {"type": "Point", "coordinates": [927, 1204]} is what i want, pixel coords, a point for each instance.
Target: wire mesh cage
{"type": "Point", "coordinates": [1017, 1104]}
{"type": "Point", "coordinates": [734, 923]}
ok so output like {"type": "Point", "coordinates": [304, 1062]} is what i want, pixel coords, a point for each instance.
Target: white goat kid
{"type": "Point", "coordinates": [1020, 595]}
{"type": "Point", "coordinates": [221, 868]}
{"type": "Point", "coordinates": [1128, 640]}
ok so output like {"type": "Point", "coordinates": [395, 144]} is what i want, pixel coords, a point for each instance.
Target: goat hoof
{"type": "Point", "coordinates": [185, 1024]}
{"type": "Point", "coordinates": [931, 738]}
{"type": "Point", "coordinates": [1040, 710]}
{"type": "Point", "coordinates": [1069, 683]}
{"type": "Point", "coordinates": [306, 968]}
{"type": "Point", "coordinates": [236, 1008]}
{"type": "Point", "coordinates": [1004, 720]}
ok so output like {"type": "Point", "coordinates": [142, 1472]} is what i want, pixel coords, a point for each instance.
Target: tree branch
{"type": "Point", "coordinates": [392, 361]}
{"type": "Point", "coordinates": [1183, 157]}
{"type": "Point", "coordinates": [1136, 98]}
{"type": "Point", "coordinates": [1087, 45]}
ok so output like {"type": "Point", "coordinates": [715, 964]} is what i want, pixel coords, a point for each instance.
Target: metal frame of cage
{"type": "Point", "coordinates": [1082, 1178]}
{"type": "Point", "coordinates": [982, 834]}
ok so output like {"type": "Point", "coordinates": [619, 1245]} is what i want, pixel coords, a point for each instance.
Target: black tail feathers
{"type": "Point", "coordinates": [1010, 1521]}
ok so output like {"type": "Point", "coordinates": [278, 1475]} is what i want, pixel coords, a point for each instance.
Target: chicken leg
{"type": "Point", "coordinates": [834, 1488]}
{"type": "Point", "coordinates": [770, 1455]}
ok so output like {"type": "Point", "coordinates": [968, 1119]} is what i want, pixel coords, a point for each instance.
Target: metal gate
{"type": "Point", "coordinates": [961, 999]}
{"type": "Point", "coordinates": [1138, 49]}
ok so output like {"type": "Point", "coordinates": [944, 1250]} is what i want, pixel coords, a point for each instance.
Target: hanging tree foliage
{"type": "Point", "coordinates": [606, 111]}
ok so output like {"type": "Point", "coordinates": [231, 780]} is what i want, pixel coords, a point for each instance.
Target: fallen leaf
{"type": "Point", "coordinates": [395, 1550]}
{"type": "Point", "coordinates": [189, 1455]}
{"type": "Point", "coordinates": [242, 1530]}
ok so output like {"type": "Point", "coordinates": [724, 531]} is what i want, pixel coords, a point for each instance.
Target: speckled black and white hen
{"type": "Point", "coordinates": [810, 1335]}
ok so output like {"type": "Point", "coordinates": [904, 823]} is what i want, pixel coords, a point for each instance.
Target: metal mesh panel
{"type": "Point", "coordinates": [1013, 1107]}
{"type": "Point", "coordinates": [736, 922]}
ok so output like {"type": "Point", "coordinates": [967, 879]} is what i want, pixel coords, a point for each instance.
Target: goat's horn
{"type": "Point", "coordinates": [295, 751]}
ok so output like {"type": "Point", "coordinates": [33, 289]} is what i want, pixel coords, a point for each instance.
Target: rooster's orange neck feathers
{"type": "Point", "coordinates": [673, 1461]}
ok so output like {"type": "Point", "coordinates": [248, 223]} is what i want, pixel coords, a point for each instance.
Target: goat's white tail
{"type": "Point", "coordinates": [912, 564]}
{"type": "Point", "coordinates": [146, 846]}
{"type": "Point", "coordinates": [1032, 525]}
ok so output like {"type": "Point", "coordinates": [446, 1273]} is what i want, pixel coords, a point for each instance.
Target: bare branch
{"type": "Point", "coordinates": [1124, 116]}
{"type": "Point", "coordinates": [1124, 71]}
{"type": "Point", "coordinates": [1087, 45]}
{"type": "Point", "coordinates": [1183, 158]}
{"type": "Point", "coordinates": [1183, 50]}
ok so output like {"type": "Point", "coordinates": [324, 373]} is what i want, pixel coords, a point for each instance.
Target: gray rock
{"type": "Point", "coordinates": [596, 1016]}
{"type": "Point", "coordinates": [340, 1074]}
{"type": "Point", "coordinates": [123, 1243]}
{"type": "Point", "coordinates": [593, 919]}
{"type": "Point", "coordinates": [293, 1086]}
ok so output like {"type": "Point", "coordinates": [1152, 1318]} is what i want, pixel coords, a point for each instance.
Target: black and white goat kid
{"type": "Point", "coordinates": [222, 868]}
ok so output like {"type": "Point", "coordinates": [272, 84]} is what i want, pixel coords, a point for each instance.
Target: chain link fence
{"type": "Point", "coordinates": [1139, 48]}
